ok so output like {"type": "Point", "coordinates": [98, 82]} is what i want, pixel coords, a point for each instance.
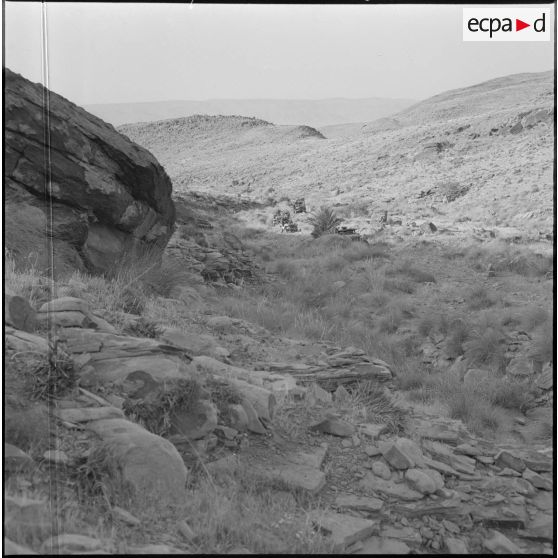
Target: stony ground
{"type": "Point", "coordinates": [326, 455]}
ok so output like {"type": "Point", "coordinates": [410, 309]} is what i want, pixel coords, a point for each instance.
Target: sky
{"type": "Point", "coordinates": [110, 53]}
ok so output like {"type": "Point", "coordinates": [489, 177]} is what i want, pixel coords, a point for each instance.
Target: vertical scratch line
{"type": "Point", "coordinates": [48, 241]}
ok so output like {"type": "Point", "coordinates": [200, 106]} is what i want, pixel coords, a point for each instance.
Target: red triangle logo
{"type": "Point", "coordinates": [519, 25]}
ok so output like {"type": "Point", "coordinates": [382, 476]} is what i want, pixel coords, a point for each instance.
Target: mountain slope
{"type": "Point", "coordinates": [490, 145]}
{"type": "Point", "coordinates": [320, 112]}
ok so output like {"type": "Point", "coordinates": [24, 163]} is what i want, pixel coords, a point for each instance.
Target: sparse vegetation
{"type": "Point", "coordinates": [53, 375]}
{"type": "Point", "coordinates": [324, 221]}
{"type": "Point", "coordinates": [156, 412]}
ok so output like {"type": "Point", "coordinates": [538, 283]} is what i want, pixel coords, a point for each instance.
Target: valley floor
{"type": "Point", "coordinates": [421, 419]}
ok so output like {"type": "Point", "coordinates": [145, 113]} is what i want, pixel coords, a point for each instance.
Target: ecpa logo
{"type": "Point", "coordinates": [506, 24]}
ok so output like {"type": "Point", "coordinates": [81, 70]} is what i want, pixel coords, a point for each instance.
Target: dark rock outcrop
{"type": "Point", "coordinates": [74, 180]}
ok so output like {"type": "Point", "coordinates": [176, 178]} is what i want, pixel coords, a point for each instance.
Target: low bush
{"type": "Point", "coordinates": [324, 221]}
{"type": "Point", "coordinates": [480, 297]}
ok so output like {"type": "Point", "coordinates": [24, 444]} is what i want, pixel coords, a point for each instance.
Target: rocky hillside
{"type": "Point", "coordinates": [492, 144]}
{"type": "Point", "coordinates": [316, 113]}
{"type": "Point", "coordinates": [96, 194]}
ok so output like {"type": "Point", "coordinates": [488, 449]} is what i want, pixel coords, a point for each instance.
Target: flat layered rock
{"type": "Point", "coordinates": [359, 503]}
{"type": "Point", "coordinates": [503, 517]}
{"type": "Point", "coordinates": [383, 546]}
{"type": "Point", "coordinates": [22, 341]}
{"type": "Point", "coordinates": [88, 414]}
{"type": "Point", "coordinates": [293, 475]}
{"type": "Point", "coordinates": [498, 543]}
{"type": "Point", "coordinates": [334, 426]}
{"type": "Point", "coordinates": [157, 367]}
{"type": "Point", "coordinates": [402, 453]}
{"type": "Point", "coordinates": [398, 491]}
{"type": "Point", "coordinates": [343, 529]}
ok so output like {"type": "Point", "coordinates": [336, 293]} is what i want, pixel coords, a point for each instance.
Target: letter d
{"type": "Point", "coordinates": [542, 21]}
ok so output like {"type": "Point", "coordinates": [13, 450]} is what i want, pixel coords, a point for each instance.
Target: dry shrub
{"type": "Point", "coordinates": [459, 332]}
{"type": "Point", "coordinates": [412, 272]}
{"type": "Point", "coordinates": [155, 414]}
{"type": "Point", "coordinates": [533, 316]}
{"type": "Point", "coordinates": [324, 221]}
{"type": "Point", "coordinates": [480, 297]}
{"type": "Point", "coordinates": [486, 346]}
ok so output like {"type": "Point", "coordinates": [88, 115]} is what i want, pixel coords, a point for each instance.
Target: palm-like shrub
{"type": "Point", "coordinates": [324, 222]}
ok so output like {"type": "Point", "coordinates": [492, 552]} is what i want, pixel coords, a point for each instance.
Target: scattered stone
{"type": "Point", "coordinates": [16, 459]}
{"type": "Point", "coordinates": [538, 462]}
{"type": "Point", "coordinates": [383, 546]}
{"type": "Point", "coordinates": [398, 491]}
{"type": "Point", "coordinates": [501, 517]}
{"type": "Point", "coordinates": [436, 477]}
{"type": "Point", "coordinates": [125, 516]}
{"type": "Point", "coordinates": [506, 485]}
{"type": "Point", "coordinates": [507, 472]}
{"type": "Point", "coordinates": [402, 454]}
{"type": "Point", "coordinates": [441, 467]}
{"type": "Point", "coordinates": [380, 469]}
{"type": "Point", "coordinates": [450, 526]}
{"type": "Point", "coordinates": [500, 544]}
{"type": "Point", "coordinates": [347, 443]}
{"type": "Point", "coordinates": [467, 449]}
{"type": "Point", "coordinates": [420, 481]}
{"type": "Point", "coordinates": [543, 501]}
{"type": "Point", "coordinates": [506, 459]}
{"type": "Point", "coordinates": [485, 459]}
{"type": "Point", "coordinates": [88, 414]}
{"type": "Point", "coordinates": [334, 426]}
{"type": "Point", "coordinates": [405, 534]}
{"type": "Point", "coordinates": [343, 529]}
{"type": "Point", "coordinates": [537, 480]}
{"type": "Point", "coordinates": [226, 432]}
{"type": "Point", "coordinates": [372, 451]}
{"type": "Point", "coordinates": [372, 430]}
{"type": "Point", "coordinates": [359, 503]}
{"type": "Point", "coordinates": [455, 546]}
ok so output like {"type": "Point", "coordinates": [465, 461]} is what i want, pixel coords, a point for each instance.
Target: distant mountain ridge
{"type": "Point", "coordinates": [488, 97]}
{"type": "Point", "coordinates": [315, 113]}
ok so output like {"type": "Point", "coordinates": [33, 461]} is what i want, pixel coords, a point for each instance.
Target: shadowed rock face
{"type": "Point", "coordinates": [108, 195]}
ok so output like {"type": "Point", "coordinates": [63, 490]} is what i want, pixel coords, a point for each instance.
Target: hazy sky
{"type": "Point", "coordinates": [101, 53]}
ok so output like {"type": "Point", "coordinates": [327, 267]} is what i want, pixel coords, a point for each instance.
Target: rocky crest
{"type": "Point", "coordinates": [107, 195]}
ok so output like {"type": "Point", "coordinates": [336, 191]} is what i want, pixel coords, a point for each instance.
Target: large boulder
{"type": "Point", "coordinates": [97, 194]}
